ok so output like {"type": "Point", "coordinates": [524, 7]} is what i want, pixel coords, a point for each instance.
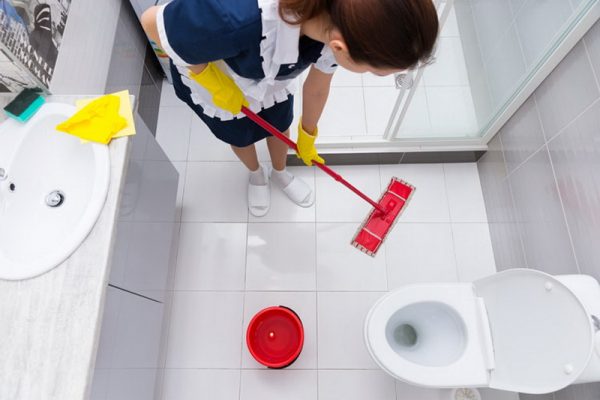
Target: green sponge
{"type": "Point", "coordinates": [24, 105]}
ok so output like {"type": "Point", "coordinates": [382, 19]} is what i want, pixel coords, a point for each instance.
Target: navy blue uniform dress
{"type": "Point", "coordinates": [255, 47]}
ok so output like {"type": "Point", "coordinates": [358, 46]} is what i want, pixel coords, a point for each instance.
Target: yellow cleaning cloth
{"type": "Point", "coordinates": [98, 121]}
{"type": "Point", "coordinates": [125, 111]}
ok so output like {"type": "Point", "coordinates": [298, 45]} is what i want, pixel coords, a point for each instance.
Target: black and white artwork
{"type": "Point", "coordinates": [30, 35]}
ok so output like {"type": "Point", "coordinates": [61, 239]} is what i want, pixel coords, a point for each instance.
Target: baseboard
{"type": "Point", "coordinates": [420, 157]}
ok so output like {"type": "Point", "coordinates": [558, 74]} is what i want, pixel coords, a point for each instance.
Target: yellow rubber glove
{"type": "Point", "coordinates": [306, 146]}
{"type": "Point", "coordinates": [225, 93]}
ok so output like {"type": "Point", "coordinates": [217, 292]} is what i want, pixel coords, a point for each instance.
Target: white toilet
{"type": "Point", "coordinates": [520, 330]}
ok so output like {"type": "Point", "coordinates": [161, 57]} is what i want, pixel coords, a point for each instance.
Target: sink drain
{"type": "Point", "coordinates": [55, 198]}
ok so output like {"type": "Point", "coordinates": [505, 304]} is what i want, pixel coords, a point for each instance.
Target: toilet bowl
{"type": "Point", "coordinates": [519, 330]}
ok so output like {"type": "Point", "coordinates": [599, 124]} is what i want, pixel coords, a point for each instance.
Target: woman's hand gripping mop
{"type": "Point", "coordinates": [386, 211]}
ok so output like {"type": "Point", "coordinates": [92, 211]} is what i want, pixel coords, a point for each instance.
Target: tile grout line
{"type": "Point", "coordinates": [244, 305]}
{"type": "Point", "coordinates": [513, 203]}
{"type": "Point", "coordinates": [572, 122]}
{"type": "Point", "coordinates": [548, 140]}
{"type": "Point", "coordinates": [364, 101]}
{"type": "Point", "coordinates": [562, 207]}
{"type": "Point", "coordinates": [317, 287]}
{"type": "Point", "coordinates": [451, 223]}
{"type": "Point", "coordinates": [589, 58]}
{"type": "Point", "coordinates": [496, 46]}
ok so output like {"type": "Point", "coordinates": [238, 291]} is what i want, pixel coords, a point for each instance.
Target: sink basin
{"type": "Point", "coordinates": [52, 190]}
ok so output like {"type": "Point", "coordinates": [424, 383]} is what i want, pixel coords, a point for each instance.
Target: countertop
{"type": "Point", "coordinates": [50, 325]}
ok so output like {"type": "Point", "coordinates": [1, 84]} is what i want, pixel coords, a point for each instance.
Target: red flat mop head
{"type": "Point", "coordinates": [375, 228]}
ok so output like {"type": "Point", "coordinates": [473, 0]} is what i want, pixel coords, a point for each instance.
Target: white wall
{"type": "Point", "coordinates": [85, 52]}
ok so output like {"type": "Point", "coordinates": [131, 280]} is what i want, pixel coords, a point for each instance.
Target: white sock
{"type": "Point", "coordinates": [281, 178]}
{"type": "Point", "coordinates": [258, 177]}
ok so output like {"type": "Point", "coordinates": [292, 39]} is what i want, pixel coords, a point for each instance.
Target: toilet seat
{"type": "Point", "coordinates": [470, 369]}
{"type": "Point", "coordinates": [541, 333]}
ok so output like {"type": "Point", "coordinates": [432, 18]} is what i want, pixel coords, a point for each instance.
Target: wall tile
{"type": "Point", "coordinates": [492, 174]}
{"type": "Point", "coordinates": [492, 18]}
{"type": "Point", "coordinates": [547, 396]}
{"type": "Point", "coordinates": [473, 60]}
{"type": "Point", "coordinates": [592, 41]}
{"type": "Point", "coordinates": [506, 241]}
{"type": "Point", "coordinates": [522, 135]}
{"type": "Point", "coordinates": [505, 68]}
{"type": "Point", "coordinates": [567, 91]}
{"type": "Point", "coordinates": [539, 214]}
{"type": "Point", "coordinates": [575, 153]}
{"type": "Point", "coordinates": [538, 22]}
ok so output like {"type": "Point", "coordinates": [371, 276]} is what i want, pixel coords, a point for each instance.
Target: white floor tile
{"type": "Point", "coordinates": [379, 104]}
{"type": "Point", "coordinates": [181, 167]}
{"type": "Point", "coordinates": [204, 146]}
{"type": "Point", "coordinates": [404, 391]}
{"type": "Point", "coordinates": [304, 304]}
{"type": "Point", "coordinates": [336, 203]}
{"type": "Point", "coordinates": [215, 192]}
{"type": "Point", "coordinates": [344, 78]}
{"type": "Point", "coordinates": [206, 330]}
{"type": "Point", "coordinates": [278, 384]}
{"type": "Point", "coordinates": [131, 384]}
{"type": "Point", "coordinates": [344, 113]}
{"type": "Point", "coordinates": [451, 111]}
{"type": "Point", "coordinates": [281, 256]}
{"type": "Point", "coordinates": [167, 95]}
{"type": "Point", "coordinates": [340, 329]}
{"type": "Point", "coordinates": [429, 202]}
{"type": "Point", "coordinates": [465, 197]}
{"type": "Point", "coordinates": [474, 253]}
{"type": "Point", "coordinates": [341, 267]}
{"type": "Point", "coordinates": [194, 384]}
{"type": "Point", "coordinates": [282, 208]}
{"type": "Point", "coordinates": [212, 256]}
{"type": "Point", "coordinates": [356, 385]}
{"type": "Point", "coordinates": [416, 121]}
{"type": "Point", "coordinates": [420, 253]}
{"type": "Point", "coordinates": [173, 131]}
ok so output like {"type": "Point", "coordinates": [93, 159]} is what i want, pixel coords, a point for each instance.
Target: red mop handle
{"type": "Point", "coordinates": [275, 132]}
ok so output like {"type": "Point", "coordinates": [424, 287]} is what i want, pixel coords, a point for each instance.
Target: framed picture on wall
{"type": "Point", "coordinates": [30, 35]}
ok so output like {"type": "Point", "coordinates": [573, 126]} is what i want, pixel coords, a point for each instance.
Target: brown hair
{"type": "Point", "coordinates": [380, 33]}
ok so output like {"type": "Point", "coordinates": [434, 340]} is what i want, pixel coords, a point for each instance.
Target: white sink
{"type": "Point", "coordinates": [52, 190]}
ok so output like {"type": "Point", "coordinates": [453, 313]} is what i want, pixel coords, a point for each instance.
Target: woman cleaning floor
{"type": "Point", "coordinates": [229, 53]}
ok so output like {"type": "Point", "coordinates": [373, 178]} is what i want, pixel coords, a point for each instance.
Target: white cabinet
{"type": "Point", "coordinates": [128, 360]}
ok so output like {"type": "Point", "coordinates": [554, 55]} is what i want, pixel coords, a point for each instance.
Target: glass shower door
{"type": "Point", "coordinates": [490, 56]}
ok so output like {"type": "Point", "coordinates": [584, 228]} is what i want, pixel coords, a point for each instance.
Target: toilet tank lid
{"type": "Point", "coordinates": [541, 333]}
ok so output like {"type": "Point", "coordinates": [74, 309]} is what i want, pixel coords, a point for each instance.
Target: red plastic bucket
{"type": "Point", "coordinates": [275, 337]}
